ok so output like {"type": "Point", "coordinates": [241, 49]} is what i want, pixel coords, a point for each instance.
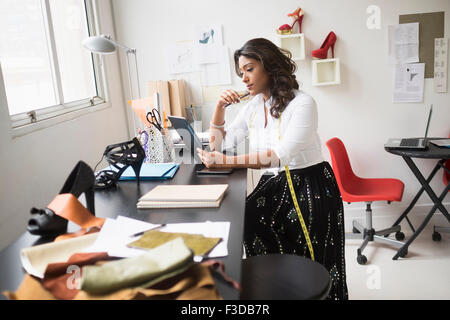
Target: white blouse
{"type": "Point", "coordinates": [293, 137]}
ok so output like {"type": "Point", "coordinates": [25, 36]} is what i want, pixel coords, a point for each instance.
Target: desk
{"type": "Point", "coordinates": [122, 201]}
{"type": "Point", "coordinates": [432, 152]}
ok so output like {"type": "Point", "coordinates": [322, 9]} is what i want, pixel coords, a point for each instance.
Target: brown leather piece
{"type": "Point", "coordinates": [194, 284]}
{"type": "Point", "coordinates": [67, 206]}
{"type": "Point", "coordinates": [57, 275]}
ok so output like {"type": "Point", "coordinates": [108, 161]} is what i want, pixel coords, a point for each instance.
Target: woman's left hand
{"type": "Point", "coordinates": [213, 159]}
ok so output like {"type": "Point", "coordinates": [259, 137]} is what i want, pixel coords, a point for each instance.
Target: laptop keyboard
{"type": "Point", "coordinates": [409, 143]}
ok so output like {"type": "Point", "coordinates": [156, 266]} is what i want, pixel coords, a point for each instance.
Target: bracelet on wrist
{"type": "Point", "coordinates": [216, 126]}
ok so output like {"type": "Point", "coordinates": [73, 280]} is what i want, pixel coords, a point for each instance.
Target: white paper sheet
{"type": "Point", "coordinates": [403, 46]}
{"type": "Point", "coordinates": [206, 54]}
{"type": "Point", "coordinates": [216, 74]}
{"type": "Point", "coordinates": [180, 58]}
{"type": "Point", "coordinates": [408, 82]}
{"type": "Point", "coordinates": [208, 34]}
{"type": "Point", "coordinates": [440, 64]}
{"type": "Point", "coordinates": [115, 235]}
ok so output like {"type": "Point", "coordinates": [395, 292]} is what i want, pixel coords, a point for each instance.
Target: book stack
{"type": "Point", "coordinates": [183, 196]}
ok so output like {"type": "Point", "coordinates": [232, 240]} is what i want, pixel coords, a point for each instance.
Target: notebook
{"type": "Point", "coordinates": [186, 192]}
{"type": "Point", "coordinates": [183, 196]}
{"type": "Point", "coordinates": [150, 171]}
{"type": "Point", "coordinates": [179, 204]}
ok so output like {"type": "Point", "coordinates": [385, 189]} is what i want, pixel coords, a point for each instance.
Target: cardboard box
{"type": "Point", "coordinates": [162, 88]}
{"type": "Point", "coordinates": [177, 98]}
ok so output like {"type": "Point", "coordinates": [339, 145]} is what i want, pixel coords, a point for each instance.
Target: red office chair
{"type": "Point", "coordinates": [446, 179]}
{"type": "Point", "coordinates": [356, 189]}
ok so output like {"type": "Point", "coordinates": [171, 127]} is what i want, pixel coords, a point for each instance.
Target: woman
{"type": "Point", "coordinates": [281, 123]}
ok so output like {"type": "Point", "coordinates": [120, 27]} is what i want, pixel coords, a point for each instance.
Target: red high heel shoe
{"type": "Point", "coordinates": [298, 16]}
{"type": "Point", "coordinates": [322, 53]}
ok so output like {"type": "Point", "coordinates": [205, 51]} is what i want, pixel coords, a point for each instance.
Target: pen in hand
{"type": "Point", "coordinates": [241, 97]}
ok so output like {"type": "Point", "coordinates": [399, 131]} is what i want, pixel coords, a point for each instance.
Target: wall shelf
{"type": "Point", "coordinates": [295, 43]}
{"type": "Point", "coordinates": [326, 72]}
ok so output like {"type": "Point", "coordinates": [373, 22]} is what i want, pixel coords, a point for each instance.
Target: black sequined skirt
{"type": "Point", "coordinates": [272, 224]}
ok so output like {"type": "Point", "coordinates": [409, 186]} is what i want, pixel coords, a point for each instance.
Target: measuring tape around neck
{"type": "Point", "coordinates": [291, 189]}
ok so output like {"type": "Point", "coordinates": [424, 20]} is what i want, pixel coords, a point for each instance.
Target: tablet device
{"type": "Point", "coordinates": [192, 143]}
{"type": "Point", "coordinates": [206, 170]}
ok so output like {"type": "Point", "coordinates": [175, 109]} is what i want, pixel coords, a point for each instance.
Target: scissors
{"type": "Point", "coordinates": [155, 118]}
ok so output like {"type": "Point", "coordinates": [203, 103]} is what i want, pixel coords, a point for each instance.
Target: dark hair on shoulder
{"type": "Point", "coordinates": [280, 67]}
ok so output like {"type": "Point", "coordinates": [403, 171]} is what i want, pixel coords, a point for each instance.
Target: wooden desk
{"type": "Point", "coordinates": [122, 201]}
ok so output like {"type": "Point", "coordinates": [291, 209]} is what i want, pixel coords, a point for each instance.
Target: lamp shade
{"type": "Point", "coordinates": [99, 44]}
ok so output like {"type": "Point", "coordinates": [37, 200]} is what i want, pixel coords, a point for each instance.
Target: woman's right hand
{"type": "Point", "coordinates": [228, 96]}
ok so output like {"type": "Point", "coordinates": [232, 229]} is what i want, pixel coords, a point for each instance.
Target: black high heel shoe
{"type": "Point", "coordinates": [45, 222]}
{"type": "Point", "coordinates": [120, 156]}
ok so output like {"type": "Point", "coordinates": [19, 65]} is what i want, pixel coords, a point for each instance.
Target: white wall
{"type": "Point", "coordinates": [34, 167]}
{"type": "Point", "coordinates": [359, 110]}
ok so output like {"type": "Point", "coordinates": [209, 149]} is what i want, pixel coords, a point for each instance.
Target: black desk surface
{"type": "Point", "coordinates": [122, 201]}
{"type": "Point", "coordinates": [432, 152]}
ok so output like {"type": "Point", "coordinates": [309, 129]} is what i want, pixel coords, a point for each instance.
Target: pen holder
{"type": "Point", "coordinates": [158, 145]}
{"type": "Point", "coordinates": [193, 114]}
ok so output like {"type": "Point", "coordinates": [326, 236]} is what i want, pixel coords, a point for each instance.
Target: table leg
{"type": "Point", "coordinates": [413, 202]}
{"type": "Point", "coordinates": [437, 205]}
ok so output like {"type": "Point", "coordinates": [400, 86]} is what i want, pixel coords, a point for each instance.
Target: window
{"type": "Point", "coordinates": [46, 70]}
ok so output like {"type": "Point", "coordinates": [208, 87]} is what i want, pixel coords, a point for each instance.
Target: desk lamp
{"type": "Point", "coordinates": [104, 44]}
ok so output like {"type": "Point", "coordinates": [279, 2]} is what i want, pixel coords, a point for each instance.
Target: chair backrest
{"type": "Point", "coordinates": [341, 165]}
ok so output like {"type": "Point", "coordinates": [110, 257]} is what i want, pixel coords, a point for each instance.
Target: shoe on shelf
{"type": "Point", "coordinates": [322, 53]}
{"type": "Point", "coordinates": [45, 222]}
{"type": "Point", "coordinates": [298, 17]}
{"type": "Point", "coordinates": [120, 156]}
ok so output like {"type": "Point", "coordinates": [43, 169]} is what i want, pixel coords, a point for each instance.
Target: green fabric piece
{"type": "Point", "coordinates": [199, 244]}
{"type": "Point", "coordinates": [163, 262]}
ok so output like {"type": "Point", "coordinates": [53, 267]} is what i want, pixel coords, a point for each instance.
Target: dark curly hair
{"type": "Point", "coordinates": [279, 66]}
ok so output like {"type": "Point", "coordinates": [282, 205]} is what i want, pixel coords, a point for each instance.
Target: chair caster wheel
{"type": "Point", "coordinates": [355, 230]}
{"type": "Point", "coordinates": [399, 236]}
{"type": "Point", "coordinates": [436, 236]}
{"type": "Point", "coordinates": [403, 253]}
{"type": "Point", "coordinates": [361, 259]}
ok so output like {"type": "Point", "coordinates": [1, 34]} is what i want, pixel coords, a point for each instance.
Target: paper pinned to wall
{"type": "Point", "coordinates": [431, 26]}
{"type": "Point", "coordinates": [408, 82]}
{"type": "Point", "coordinates": [440, 64]}
{"type": "Point", "coordinates": [180, 58]}
{"type": "Point", "coordinates": [205, 54]}
{"type": "Point", "coordinates": [208, 35]}
{"type": "Point", "coordinates": [215, 74]}
{"type": "Point", "coordinates": [403, 46]}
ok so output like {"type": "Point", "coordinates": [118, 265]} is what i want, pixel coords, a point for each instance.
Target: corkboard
{"type": "Point", "coordinates": [431, 25]}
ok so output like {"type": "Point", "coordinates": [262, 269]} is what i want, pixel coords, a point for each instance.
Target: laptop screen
{"type": "Point", "coordinates": [428, 123]}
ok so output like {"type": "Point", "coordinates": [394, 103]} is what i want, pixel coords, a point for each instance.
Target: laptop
{"type": "Point", "coordinates": [182, 126]}
{"type": "Point", "coordinates": [413, 143]}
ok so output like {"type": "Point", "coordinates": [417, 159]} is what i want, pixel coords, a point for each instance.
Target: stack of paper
{"type": "Point", "coordinates": [183, 196]}
{"type": "Point", "coordinates": [116, 235]}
